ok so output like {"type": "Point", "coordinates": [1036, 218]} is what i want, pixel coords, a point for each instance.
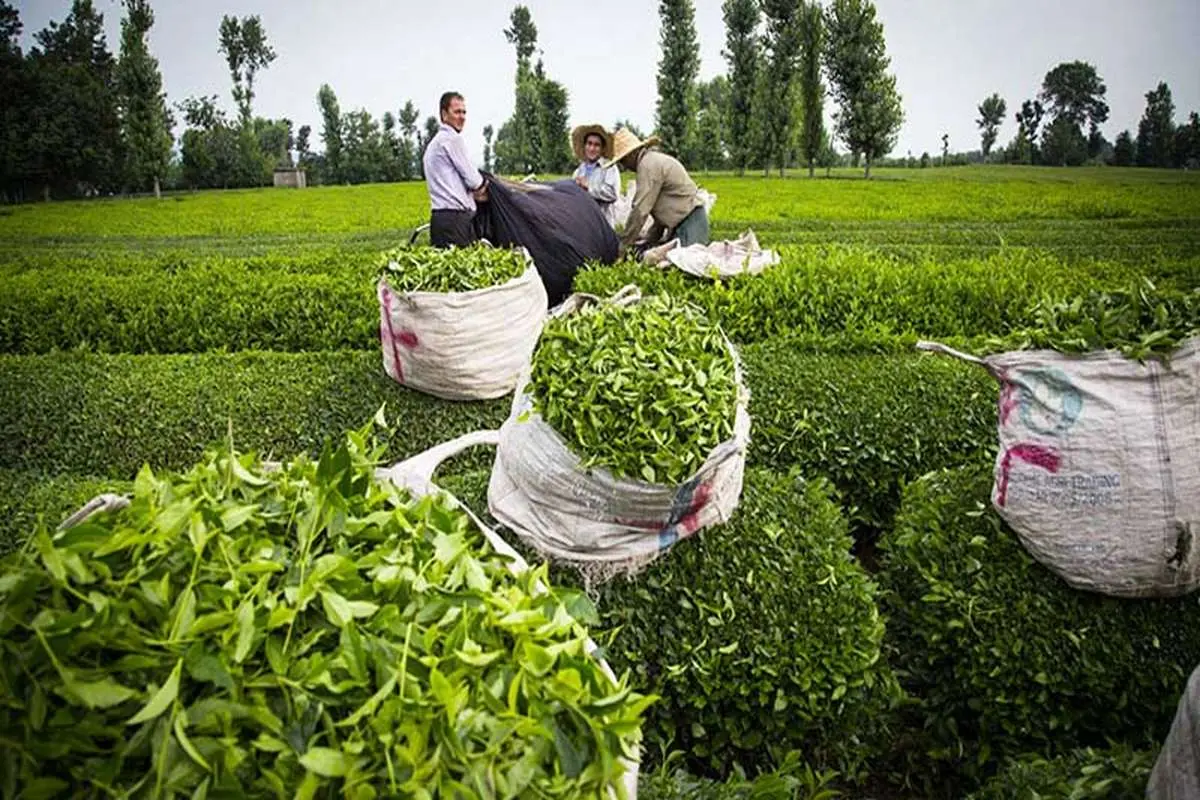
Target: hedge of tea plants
{"type": "Point", "coordinates": [817, 291]}
{"type": "Point", "coordinates": [1118, 772]}
{"type": "Point", "coordinates": [1002, 656]}
{"type": "Point", "coordinates": [864, 422]}
{"type": "Point", "coordinates": [748, 665]}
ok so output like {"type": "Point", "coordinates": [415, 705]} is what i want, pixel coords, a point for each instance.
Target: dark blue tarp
{"type": "Point", "coordinates": [559, 223]}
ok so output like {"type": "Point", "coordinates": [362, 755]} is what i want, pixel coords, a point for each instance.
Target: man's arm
{"type": "Point", "coordinates": [457, 151]}
{"type": "Point", "coordinates": [656, 233]}
{"type": "Point", "coordinates": [648, 188]}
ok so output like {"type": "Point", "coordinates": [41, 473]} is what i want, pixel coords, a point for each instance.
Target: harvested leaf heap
{"type": "Point", "coordinates": [455, 269]}
{"type": "Point", "coordinates": [644, 391]}
{"type": "Point", "coordinates": [249, 633]}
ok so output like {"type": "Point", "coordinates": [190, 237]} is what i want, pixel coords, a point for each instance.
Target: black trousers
{"type": "Point", "coordinates": [451, 227]}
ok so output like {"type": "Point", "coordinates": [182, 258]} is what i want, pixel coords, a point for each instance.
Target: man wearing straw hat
{"type": "Point", "coordinates": [601, 181]}
{"type": "Point", "coordinates": [665, 193]}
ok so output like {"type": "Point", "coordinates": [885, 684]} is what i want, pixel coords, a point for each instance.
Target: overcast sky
{"type": "Point", "coordinates": [947, 55]}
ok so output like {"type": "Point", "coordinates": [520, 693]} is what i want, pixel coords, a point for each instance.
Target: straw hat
{"type": "Point", "coordinates": [579, 137]}
{"type": "Point", "coordinates": [624, 142]}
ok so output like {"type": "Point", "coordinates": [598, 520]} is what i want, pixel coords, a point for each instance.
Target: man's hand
{"type": "Point", "coordinates": [581, 182]}
{"type": "Point", "coordinates": [481, 194]}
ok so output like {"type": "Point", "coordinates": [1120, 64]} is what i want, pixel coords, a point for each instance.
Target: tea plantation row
{"type": "Point", "coordinates": [815, 290]}
{"type": "Point", "coordinates": [865, 422]}
{"type": "Point", "coordinates": [764, 636]}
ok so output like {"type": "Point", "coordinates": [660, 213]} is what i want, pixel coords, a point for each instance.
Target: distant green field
{"type": "Point", "coordinates": [1130, 215]}
{"type": "Point", "coordinates": [968, 194]}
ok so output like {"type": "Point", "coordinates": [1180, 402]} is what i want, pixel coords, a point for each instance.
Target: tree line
{"type": "Point", "coordinates": [1072, 97]}
{"type": "Point", "coordinates": [76, 120]}
{"type": "Point", "coordinates": [785, 58]}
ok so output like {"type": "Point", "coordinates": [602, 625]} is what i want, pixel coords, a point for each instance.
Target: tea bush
{"type": "Point", "coordinates": [108, 415]}
{"type": "Point", "coordinates": [1002, 655]}
{"type": "Point", "coordinates": [761, 636]}
{"type": "Point", "coordinates": [868, 423]}
{"type": "Point", "coordinates": [193, 311]}
{"type": "Point", "coordinates": [834, 290]}
{"type": "Point", "coordinates": [1115, 773]}
{"type": "Point", "coordinates": [26, 496]}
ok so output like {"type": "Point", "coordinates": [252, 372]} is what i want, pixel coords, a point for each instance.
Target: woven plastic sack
{"type": "Point", "coordinates": [1098, 470]}
{"type": "Point", "coordinates": [1176, 773]}
{"type": "Point", "coordinates": [416, 475]}
{"type": "Point", "coordinates": [462, 345]}
{"type": "Point", "coordinates": [724, 259]}
{"type": "Point", "coordinates": [587, 518]}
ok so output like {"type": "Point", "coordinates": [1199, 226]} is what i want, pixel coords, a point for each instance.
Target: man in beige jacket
{"type": "Point", "coordinates": [665, 193]}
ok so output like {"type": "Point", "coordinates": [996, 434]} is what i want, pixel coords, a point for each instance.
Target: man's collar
{"type": "Point", "coordinates": [446, 126]}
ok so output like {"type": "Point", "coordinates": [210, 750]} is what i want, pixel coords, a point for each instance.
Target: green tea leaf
{"type": "Point", "coordinates": [104, 693]}
{"type": "Point", "coordinates": [538, 660]}
{"type": "Point", "coordinates": [183, 615]}
{"type": "Point", "coordinates": [245, 631]}
{"type": "Point", "coordinates": [186, 743]}
{"type": "Point", "coordinates": [337, 608]}
{"type": "Point", "coordinates": [161, 700]}
{"type": "Point", "coordinates": [236, 516]}
{"type": "Point", "coordinates": [50, 557]}
{"type": "Point", "coordinates": [324, 761]}
{"type": "Point", "coordinates": [244, 475]}
{"type": "Point", "coordinates": [43, 788]}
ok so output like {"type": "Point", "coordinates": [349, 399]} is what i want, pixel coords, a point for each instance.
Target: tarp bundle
{"type": "Point", "coordinates": [1099, 465]}
{"type": "Point", "coordinates": [558, 223]}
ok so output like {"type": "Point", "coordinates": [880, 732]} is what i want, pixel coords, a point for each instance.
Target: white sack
{"type": "Point", "coordinates": [587, 518]}
{"type": "Point", "coordinates": [462, 345]}
{"type": "Point", "coordinates": [1098, 470]}
{"type": "Point", "coordinates": [724, 259]}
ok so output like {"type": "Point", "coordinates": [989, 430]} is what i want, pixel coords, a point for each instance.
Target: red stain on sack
{"type": "Point", "coordinates": [1008, 399]}
{"type": "Point", "coordinates": [690, 521]}
{"type": "Point", "coordinates": [389, 341]}
{"type": "Point", "coordinates": [685, 524]}
{"type": "Point", "coordinates": [1032, 454]}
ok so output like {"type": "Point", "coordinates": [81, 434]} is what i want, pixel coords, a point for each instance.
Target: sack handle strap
{"type": "Point", "coordinates": [97, 505]}
{"type": "Point", "coordinates": [938, 347]}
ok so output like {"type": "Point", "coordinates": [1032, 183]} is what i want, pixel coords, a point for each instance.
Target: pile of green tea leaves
{"type": "Point", "coordinates": [645, 391]}
{"type": "Point", "coordinates": [1141, 322]}
{"type": "Point", "coordinates": [454, 269]}
{"type": "Point", "coordinates": [287, 633]}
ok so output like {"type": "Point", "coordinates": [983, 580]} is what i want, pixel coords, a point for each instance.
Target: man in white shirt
{"type": "Point", "coordinates": [601, 181]}
{"type": "Point", "coordinates": [454, 184]}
